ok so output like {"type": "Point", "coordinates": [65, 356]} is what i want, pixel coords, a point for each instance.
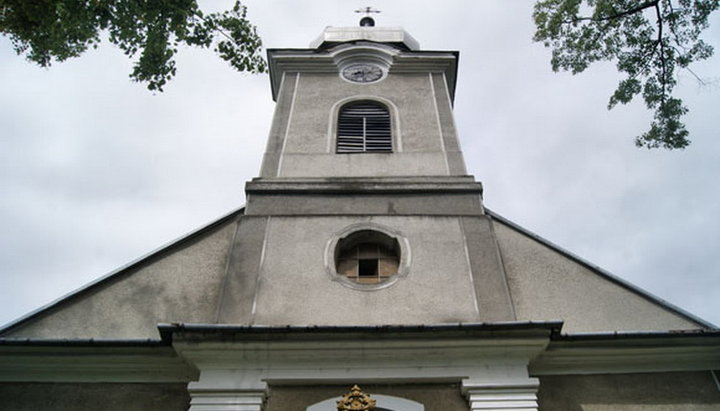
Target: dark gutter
{"type": "Point", "coordinates": [167, 330]}
{"type": "Point", "coordinates": [81, 342]}
{"type": "Point", "coordinates": [629, 335]}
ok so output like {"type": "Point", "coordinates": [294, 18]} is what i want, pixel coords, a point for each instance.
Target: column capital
{"type": "Point", "coordinates": [488, 395]}
{"type": "Point", "coordinates": [204, 399]}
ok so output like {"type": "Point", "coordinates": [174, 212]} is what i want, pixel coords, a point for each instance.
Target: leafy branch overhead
{"type": "Point", "coordinates": [48, 31]}
{"type": "Point", "coordinates": [650, 41]}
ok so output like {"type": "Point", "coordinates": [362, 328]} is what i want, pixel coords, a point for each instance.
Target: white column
{"type": "Point", "coordinates": [515, 395]}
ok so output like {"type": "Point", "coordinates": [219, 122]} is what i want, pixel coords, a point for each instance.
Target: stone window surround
{"type": "Point", "coordinates": [378, 114]}
{"type": "Point", "coordinates": [332, 245]}
{"type": "Point", "coordinates": [392, 109]}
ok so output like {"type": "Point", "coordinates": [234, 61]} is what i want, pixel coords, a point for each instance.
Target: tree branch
{"type": "Point", "coordinates": [663, 78]}
{"type": "Point", "coordinates": [639, 8]}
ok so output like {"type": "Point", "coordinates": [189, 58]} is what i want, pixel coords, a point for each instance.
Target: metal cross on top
{"type": "Point", "coordinates": [367, 10]}
{"type": "Point", "coordinates": [367, 21]}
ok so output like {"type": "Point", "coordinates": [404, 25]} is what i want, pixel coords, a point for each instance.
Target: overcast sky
{"type": "Point", "coordinates": [96, 171]}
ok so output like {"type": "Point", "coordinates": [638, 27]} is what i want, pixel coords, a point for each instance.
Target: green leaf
{"type": "Point", "coordinates": [649, 41]}
{"type": "Point", "coordinates": [49, 31]}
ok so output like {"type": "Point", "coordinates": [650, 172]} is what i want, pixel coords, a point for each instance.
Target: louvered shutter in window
{"type": "Point", "coordinates": [364, 127]}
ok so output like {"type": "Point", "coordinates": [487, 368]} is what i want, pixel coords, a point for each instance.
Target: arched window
{"type": "Point", "coordinates": [364, 127]}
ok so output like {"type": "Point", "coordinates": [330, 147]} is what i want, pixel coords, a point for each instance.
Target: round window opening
{"type": "Point", "coordinates": [367, 257]}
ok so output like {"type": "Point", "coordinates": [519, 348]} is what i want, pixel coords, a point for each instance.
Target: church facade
{"type": "Point", "coordinates": [363, 272]}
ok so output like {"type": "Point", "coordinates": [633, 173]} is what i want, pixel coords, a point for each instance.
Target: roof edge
{"type": "Point", "coordinates": [121, 270]}
{"type": "Point", "coordinates": [82, 342]}
{"type": "Point", "coordinates": [608, 275]}
{"type": "Point", "coordinates": [167, 330]}
{"type": "Point", "coordinates": [630, 335]}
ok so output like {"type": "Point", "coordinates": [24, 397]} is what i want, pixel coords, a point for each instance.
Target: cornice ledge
{"type": "Point", "coordinates": [629, 353]}
{"type": "Point", "coordinates": [383, 346]}
{"type": "Point", "coordinates": [363, 186]}
{"type": "Point", "coordinates": [93, 364]}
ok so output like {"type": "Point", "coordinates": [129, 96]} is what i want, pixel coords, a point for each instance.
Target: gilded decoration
{"type": "Point", "coordinates": [356, 400]}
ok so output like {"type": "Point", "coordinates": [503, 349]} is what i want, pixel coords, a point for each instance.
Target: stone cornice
{"type": "Point", "coordinates": [628, 353]}
{"type": "Point", "coordinates": [304, 354]}
{"type": "Point", "coordinates": [423, 185]}
{"type": "Point", "coordinates": [68, 362]}
{"type": "Point", "coordinates": [313, 61]}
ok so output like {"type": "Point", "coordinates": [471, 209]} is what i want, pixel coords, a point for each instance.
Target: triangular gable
{"type": "Point", "coordinates": [177, 282]}
{"type": "Point", "coordinates": [548, 282]}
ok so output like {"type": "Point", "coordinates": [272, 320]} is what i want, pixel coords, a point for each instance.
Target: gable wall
{"type": "Point", "coordinates": [181, 285]}
{"type": "Point", "coordinates": [547, 285]}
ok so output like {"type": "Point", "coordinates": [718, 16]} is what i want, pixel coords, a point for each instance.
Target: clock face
{"type": "Point", "coordinates": [362, 73]}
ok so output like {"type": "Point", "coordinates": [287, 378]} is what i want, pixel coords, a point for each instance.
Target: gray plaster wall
{"type": "Point", "coordinates": [681, 391]}
{"type": "Point", "coordinates": [180, 285]}
{"type": "Point", "coordinates": [435, 397]}
{"type": "Point", "coordinates": [545, 284]}
{"type": "Point", "coordinates": [302, 139]}
{"type": "Point", "coordinates": [294, 287]}
{"type": "Point", "coordinates": [93, 397]}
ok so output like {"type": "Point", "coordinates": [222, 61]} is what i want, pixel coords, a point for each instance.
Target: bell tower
{"type": "Point", "coordinates": [346, 67]}
{"type": "Point", "coordinates": [363, 213]}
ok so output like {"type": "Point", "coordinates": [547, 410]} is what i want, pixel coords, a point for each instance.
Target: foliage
{"type": "Point", "coordinates": [48, 31]}
{"type": "Point", "coordinates": [650, 40]}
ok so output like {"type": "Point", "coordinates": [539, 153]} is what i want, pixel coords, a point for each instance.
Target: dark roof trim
{"type": "Point", "coordinates": [612, 277]}
{"type": "Point", "coordinates": [626, 335]}
{"type": "Point", "coordinates": [166, 330]}
{"type": "Point", "coordinates": [81, 342]}
{"type": "Point", "coordinates": [123, 269]}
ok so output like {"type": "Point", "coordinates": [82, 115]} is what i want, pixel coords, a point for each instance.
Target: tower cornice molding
{"type": "Point", "coordinates": [281, 61]}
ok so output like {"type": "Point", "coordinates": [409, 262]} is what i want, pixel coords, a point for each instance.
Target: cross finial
{"type": "Point", "coordinates": [367, 21]}
{"type": "Point", "coordinates": [367, 10]}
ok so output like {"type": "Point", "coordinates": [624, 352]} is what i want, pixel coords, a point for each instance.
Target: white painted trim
{"type": "Point", "coordinates": [469, 267]}
{"type": "Point", "coordinates": [225, 400]}
{"type": "Point", "coordinates": [452, 118]}
{"type": "Point", "coordinates": [276, 115]}
{"type": "Point", "coordinates": [439, 125]}
{"type": "Point", "coordinates": [226, 273]}
{"type": "Point", "coordinates": [517, 395]}
{"type": "Point", "coordinates": [324, 358]}
{"type": "Point", "coordinates": [289, 123]}
{"type": "Point", "coordinates": [261, 265]}
{"type": "Point", "coordinates": [498, 253]}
